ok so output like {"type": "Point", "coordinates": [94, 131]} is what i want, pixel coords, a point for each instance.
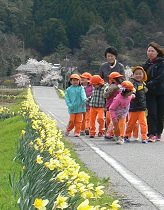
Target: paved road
{"type": "Point", "coordinates": [136, 170]}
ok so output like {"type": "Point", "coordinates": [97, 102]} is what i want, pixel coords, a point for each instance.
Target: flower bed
{"type": "Point", "coordinates": [61, 93]}
{"type": "Point", "coordinates": [51, 178]}
{"type": "Point", "coordinates": [5, 112]}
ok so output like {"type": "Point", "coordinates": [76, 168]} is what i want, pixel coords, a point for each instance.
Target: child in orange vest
{"type": "Point", "coordinates": [97, 104]}
{"type": "Point", "coordinates": [75, 98]}
{"type": "Point", "coordinates": [85, 82]}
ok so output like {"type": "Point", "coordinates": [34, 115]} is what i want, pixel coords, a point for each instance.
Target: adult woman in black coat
{"type": "Point", "coordinates": [154, 68]}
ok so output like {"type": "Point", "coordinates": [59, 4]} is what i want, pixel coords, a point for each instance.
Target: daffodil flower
{"type": "Point", "coordinates": [84, 205]}
{"type": "Point", "coordinates": [72, 190]}
{"type": "Point", "coordinates": [115, 205]}
{"type": "Point", "coordinates": [39, 159]}
{"type": "Point", "coordinates": [87, 194]}
{"type": "Point", "coordinates": [98, 191]}
{"type": "Point", "coordinates": [61, 202]}
{"type": "Point", "coordinates": [23, 132]}
{"type": "Point", "coordinates": [40, 204]}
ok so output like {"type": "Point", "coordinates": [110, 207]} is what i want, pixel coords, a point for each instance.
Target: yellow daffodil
{"type": "Point", "coordinates": [84, 205]}
{"type": "Point", "coordinates": [50, 150]}
{"type": "Point", "coordinates": [52, 164]}
{"type": "Point", "coordinates": [39, 159]}
{"type": "Point", "coordinates": [98, 191]}
{"type": "Point", "coordinates": [36, 147]}
{"type": "Point", "coordinates": [72, 190]}
{"type": "Point", "coordinates": [90, 186]}
{"type": "Point", "coordinates": [61, 202]}
{"type": "Point", "coordinates": [87, 194]}
{"type": "Point", "coordinates": [38, 141]}
{"type": "Point", "coordinates": [62, 176]}
{"type": "Point", "coordinates": [83, 177]}
{"type": "Point", "coordinates": [23, 132]}
{"type": "Point", "coordinates": [40, 204]}
{"type": "Point", "coordinates": [115, 205]}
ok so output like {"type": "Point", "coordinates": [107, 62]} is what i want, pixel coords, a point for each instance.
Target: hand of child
{"type": "Point", "coordinates": [115, 121]}
{"type": "Point", "coordinates": [133, 96]}
{"type": "Point", "coordinates": [146, 90]}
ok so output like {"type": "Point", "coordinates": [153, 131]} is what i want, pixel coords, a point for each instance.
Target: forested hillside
{"type": "Point", "coordinates": [52, 29]}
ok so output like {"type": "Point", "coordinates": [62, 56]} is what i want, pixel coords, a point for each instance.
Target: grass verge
{"type": "Point", "coordinates": [10, 130]}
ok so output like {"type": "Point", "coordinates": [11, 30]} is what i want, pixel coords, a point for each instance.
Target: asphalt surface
{"type": "Point", "coordinates": [136, 170]}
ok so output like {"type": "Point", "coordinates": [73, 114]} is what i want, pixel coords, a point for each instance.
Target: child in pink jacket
{"type": "Point", "coordinates": [119, 110]}
{"type": "Point", "coordinates": [110, 92]}
{"type": "Point", "coordinates": [85, 82]}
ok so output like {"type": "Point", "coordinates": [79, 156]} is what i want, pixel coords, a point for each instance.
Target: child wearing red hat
{"type": "Point", "coordinates": [119, 110]}
{"type": "Point", "coordinates": [110, 93]}
{"type": "Point", "coordinates": [75, 98]}
{"type": "Point", "coordinates": [97, 104]}
{"type": "Point", "coordinates": [85, 82]}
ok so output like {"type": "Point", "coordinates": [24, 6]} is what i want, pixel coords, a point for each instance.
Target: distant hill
{"type": "Point", "coordinates": [44, 27]}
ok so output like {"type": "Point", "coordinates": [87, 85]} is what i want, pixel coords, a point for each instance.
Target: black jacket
{"type": "Point", "coordinates": [139, 102]}
{"type": "Point", "coordinates": [155, 74]}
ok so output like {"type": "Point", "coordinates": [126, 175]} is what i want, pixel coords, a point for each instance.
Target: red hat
{"type": "Point", "coordinates": [86, 75]}
{"type": "Point", "coordinates": [139, 67]}
{"type": "Point", "coordinates": [96, 79]}
{"type": "Point", "coordinates": [128, 85]}
{"type": "Point", "coordinates": [114, 75]}
{"type": "Point", "coordinates": [75, 76]}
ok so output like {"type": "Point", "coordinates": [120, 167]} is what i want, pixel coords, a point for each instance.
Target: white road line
{"type": "Point", "coordinates": [152, 195]}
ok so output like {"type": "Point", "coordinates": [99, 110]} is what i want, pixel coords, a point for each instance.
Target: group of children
{"type": "Point", "coordinates": [120, 105]}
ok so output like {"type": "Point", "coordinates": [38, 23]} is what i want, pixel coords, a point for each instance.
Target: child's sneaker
{"type": "Point", "coordinates": [126, 139]}
{"type": "Point", "coordinates": [66, 133]}
{"type": "Point", "coordinates": [135, 139]}
{"type": "Point", "coordinates": [82, 133]}
{"type": "Point", "coordinates": [92, 136]}
{"type": "Point", "coordinates": [151, 138]}
{"type": "Point", "coordinates": [76, 135]}
{"type": "Point", "coordinates": [145, 141]}
{"type": "Point", "coordinates": [115, 138]}
{"type": "Point", "coordinates": [107, 138]}
{"type": "Point", "coordinates": [120, 140]}
{"type": "Point", "coordinates": [87, 131]}
{"type": "Point", "coordinates": [100, 134]}
{"type": "Point", "coordinates": [158, 137]}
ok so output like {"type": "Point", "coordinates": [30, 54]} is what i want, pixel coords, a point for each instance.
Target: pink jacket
{"type": "Point", "coordinates": [88, 91]}
{"type": "Point", "coordinates": [110, 98]}
{"type": "Point", "coordinates": [119, 107]}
